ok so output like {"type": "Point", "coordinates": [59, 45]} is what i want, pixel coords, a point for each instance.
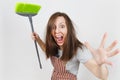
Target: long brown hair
{"type": "Point", "coordinates": [70, 45]}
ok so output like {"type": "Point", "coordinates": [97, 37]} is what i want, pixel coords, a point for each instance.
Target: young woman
{"type": "Point", "coordinates": [67, 52]}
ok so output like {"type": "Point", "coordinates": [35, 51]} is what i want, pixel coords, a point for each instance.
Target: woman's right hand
{"type": "Point", "coordinates": [35, 36]}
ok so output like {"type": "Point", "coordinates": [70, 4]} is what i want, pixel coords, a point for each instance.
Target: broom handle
{"type": "Point", "coordinates": [31, 23]}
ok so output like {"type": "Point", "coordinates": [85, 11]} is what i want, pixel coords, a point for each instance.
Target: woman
{"type": "Point", "coordinates": [67, 52]}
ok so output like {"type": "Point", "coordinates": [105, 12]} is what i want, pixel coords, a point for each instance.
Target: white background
{"type": "Point", "coordinates": [92, 18]}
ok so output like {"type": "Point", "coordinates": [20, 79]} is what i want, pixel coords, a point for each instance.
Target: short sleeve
{"type": "Point", "coordinates": [83, 55]}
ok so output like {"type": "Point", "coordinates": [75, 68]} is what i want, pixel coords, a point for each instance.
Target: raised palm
{"type": "Point", "coordinates": [102, 54]}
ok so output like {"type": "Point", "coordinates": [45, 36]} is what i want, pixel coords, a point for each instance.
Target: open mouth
{"type": "Point", "coordinates": [59, 39]}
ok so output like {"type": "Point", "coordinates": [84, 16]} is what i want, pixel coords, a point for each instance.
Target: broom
{"type": "Point", "coordinates": [29, 10]}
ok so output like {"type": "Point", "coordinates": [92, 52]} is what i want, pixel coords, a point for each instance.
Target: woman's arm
{"type": "Point", "coordinates": [36, 37]}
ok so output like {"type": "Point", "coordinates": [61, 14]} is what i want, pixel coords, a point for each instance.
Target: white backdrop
{"type": "Point", "coordinates": [18, 59]}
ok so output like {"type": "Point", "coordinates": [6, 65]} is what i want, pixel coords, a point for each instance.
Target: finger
{"type": "Point", "coordinates": [113, 53]}
{"type": "Point", "coordinates": [112, 45]}
{"type": "Point", "coordinates": [34, 33]}
{"type": "Point", "coordinates": [88, 46]}
{"type": "Point", "coordinates": [108, 62]}
{"type": "Point", "coordinates": [103, 40]}
{"type": "Point", "coordinates": [34, 36]}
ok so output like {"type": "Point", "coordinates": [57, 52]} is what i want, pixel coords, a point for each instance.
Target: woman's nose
{"type": "Point", "coordinates": [57, 30]}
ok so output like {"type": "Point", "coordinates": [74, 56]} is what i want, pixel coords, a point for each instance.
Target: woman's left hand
{"type": "Point", "coordinates": [102, 54]}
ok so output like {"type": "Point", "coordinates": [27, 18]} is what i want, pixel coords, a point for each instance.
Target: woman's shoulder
{"type": "Point", "coordinates": [82, 49]}
{"type": "Point", "coordinates": [83, 54]}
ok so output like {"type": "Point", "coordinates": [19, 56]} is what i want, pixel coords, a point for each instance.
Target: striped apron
{"type": "Point", "coordinates": [59, 72]}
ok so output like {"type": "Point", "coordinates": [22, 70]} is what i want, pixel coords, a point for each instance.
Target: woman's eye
{"type": "Point", "coordinates": [62, 26]}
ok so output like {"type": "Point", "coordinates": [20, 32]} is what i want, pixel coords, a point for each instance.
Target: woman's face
{"type": "Point", "coordinates": [59, 31]}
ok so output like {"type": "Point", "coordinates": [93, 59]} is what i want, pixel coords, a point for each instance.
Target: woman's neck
{"type": "Point", "coordinates": [61, 48]}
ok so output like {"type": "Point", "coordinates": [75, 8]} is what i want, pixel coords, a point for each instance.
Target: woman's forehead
{"type": "Point", "coordinates": [60, 19]}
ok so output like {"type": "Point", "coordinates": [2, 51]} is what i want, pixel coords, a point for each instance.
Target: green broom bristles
{"type": "Point", "coordinates": [27, 8]}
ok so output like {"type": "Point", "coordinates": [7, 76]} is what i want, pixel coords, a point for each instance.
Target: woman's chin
{"type": "Point", "coordinates": [60, 44]}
